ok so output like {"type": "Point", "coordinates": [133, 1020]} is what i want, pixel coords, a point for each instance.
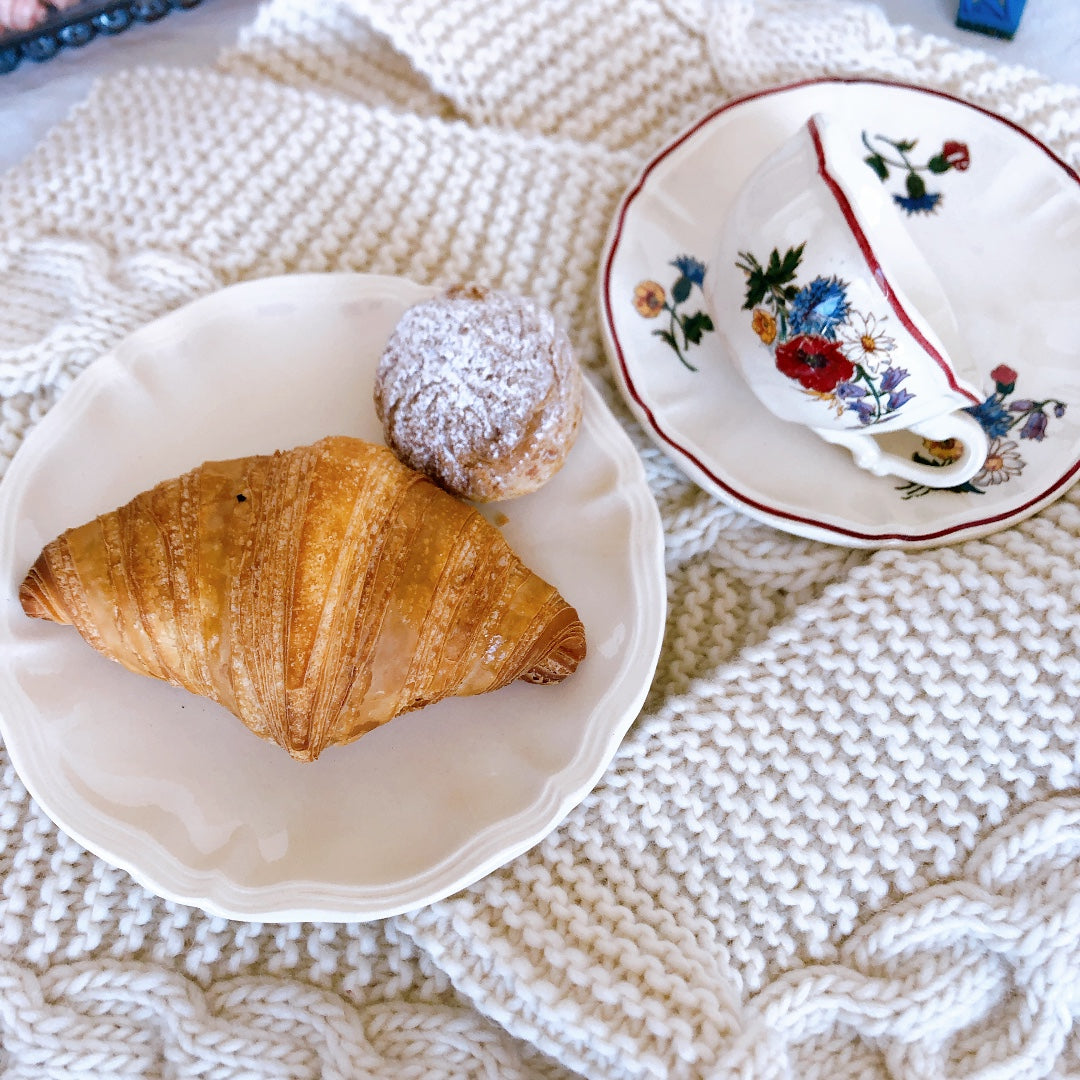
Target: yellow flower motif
{"type": "Point", "coordinates": [764, 325]}
{"type": "Point", "coordinates": [649, 299]}
{"type": "Point", "coordinates": [946, 449]}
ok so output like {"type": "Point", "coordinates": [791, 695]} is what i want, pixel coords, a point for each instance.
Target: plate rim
{"type": "Point", "coordinates": [154, 867]}
{"type": "Point", "coordinates": [691, 463]}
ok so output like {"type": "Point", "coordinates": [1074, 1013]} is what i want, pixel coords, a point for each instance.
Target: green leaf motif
{"type": "Point", "coordinates": [916, 188]}
{"type": "Point", "coordinates": [771, 280]}
{"type": "Point", "coordinates": [681, 289]}
{"type": "Point", "coordinates": [755, 291]}
{"type": "Point", "coordinates": [791, 263]}
{"type": "Point", "coordinates": [694, 326]}
{"type": "Point", "coordinates": [877, 163]}
{"type": "Point", "coordinates": [938, 164]}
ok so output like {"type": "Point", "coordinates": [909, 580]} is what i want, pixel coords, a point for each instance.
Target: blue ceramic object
{"type": "Point", "coordinates": [999, 18]}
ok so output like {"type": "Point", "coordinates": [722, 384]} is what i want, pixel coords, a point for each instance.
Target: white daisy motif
{"type": "Point", "coordinates": [864, 340]}
{"type": "Point", "coordinates": [1003, 461]}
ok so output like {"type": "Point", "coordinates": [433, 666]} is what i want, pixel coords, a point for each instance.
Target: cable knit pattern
{"type": "Point", "coordinates": [68, 301]}
{"type": "Point", "coordinates": [843, 837]}
{"type": "Point", "coordinates": [125, 1019]}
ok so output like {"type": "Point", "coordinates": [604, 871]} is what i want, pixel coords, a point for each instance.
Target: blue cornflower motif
{"type": "Point", "coordinates": [893, 378]}
{"type": "Point", "coordinates": [918, 204]}
{"type": "Point", "coordinates": [993, 417]}
{"type": "Point", "coordinates": [819, 308]}
{"type": "Point", "coordinates": [690, 268]}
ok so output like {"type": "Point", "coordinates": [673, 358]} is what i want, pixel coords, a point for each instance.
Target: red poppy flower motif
{"type": "Point", "coordinates": [814, 362]}
{"type": "Point", "coordinates": [1003, 374]}
{"type": "Point", "coordinates": [956, 154]}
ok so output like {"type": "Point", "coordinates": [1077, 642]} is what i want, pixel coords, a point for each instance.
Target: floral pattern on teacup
{"type": "Point", "coordinates": [683, 330]}
{"type": "Point", "coordinates": [999, 417]}
{"type": "Point", "coordinates": [837, 354]}
{"type": "Point", "coordinates": [888, 154]}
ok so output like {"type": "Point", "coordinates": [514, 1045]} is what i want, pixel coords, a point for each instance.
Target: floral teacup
{"type": "Point", "coordinates": [834, 317]}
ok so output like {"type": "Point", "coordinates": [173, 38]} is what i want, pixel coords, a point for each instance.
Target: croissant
{"type": "Point", "coordinates": [316, 593]}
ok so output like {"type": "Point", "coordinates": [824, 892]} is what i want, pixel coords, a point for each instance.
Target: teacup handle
{"type": "Point", "coordinates": [960, 426]}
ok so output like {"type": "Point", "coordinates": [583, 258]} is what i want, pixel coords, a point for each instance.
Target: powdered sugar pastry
{"type": "Point", "coordinates": [480, 389]}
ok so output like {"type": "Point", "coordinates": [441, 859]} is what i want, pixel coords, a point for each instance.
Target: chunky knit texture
{"type": "Point", "coordinates": [843, 838]}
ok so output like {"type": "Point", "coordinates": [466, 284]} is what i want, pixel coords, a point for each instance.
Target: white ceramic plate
{"type": "Point", "coordinates": [1000, 228]}
{"type": "Point", "coordinates": [173, 788]}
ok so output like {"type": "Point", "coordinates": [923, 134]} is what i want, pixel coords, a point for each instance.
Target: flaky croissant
{"type": "Point", "coordinates": [316, 593]}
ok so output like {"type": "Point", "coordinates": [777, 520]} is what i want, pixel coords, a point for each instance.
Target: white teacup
{"type": "Point", "coordinates": [834, 317]}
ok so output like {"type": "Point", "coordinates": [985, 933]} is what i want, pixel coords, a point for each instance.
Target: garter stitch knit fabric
{"type": "Point", "coordinates": [842, 839]}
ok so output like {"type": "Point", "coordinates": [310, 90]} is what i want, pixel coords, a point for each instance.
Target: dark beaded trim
{"type": "Point", "coordinates": [76, 26]}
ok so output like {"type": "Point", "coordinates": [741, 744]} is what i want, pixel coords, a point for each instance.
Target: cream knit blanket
{"type": "Point", "coordinates": [841, 840]}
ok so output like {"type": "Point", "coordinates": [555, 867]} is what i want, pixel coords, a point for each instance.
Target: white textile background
{"type": "Point", "coordinates": [36, 96]}
{"type": "Point", "coordinates": [842, 838]}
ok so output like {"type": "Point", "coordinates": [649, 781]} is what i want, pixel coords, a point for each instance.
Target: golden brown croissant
{"type": "Point", "coordinates": [316, 593]}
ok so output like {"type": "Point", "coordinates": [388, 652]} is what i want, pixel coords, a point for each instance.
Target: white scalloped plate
{"type": "Point", "coordinates": [175, 790]}
{"type": "Point", "coordinates": [1002, 238]}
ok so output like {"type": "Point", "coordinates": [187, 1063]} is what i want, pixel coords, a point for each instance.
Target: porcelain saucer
{"type": "Point", "coordinates": [997, 216]}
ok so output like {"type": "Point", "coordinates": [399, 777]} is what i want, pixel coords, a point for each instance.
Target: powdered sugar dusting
{"type": "Point", "coordinates": [478, 384]}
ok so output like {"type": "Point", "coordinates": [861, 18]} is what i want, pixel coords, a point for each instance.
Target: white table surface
{"type": "Point", "coordinates": [36, 96]}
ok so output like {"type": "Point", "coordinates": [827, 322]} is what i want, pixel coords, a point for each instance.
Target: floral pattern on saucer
{"type": "Point", "coordinates": [998, 417]}
{"type": "Point", "coordinates": [917, 199]}
{"type": "Point", "coordinates": [836, 354]}
{"type": "Point", "coordinates": [712, 426]}
{"type": "Point", "coordinates": [683, 331]}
